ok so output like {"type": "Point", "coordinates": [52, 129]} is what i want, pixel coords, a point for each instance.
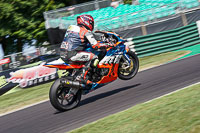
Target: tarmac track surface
{"type": "Point", "coordinates": [107, 100]}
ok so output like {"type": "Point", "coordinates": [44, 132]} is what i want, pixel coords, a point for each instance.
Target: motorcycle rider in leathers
{"type": "Point", "coordinates": [76, 40]}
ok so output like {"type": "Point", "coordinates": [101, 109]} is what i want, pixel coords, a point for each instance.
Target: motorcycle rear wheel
{"type": "Point", "coordinates": [126, 72]}
{"type": "Point", "coordinates": [58, 100]}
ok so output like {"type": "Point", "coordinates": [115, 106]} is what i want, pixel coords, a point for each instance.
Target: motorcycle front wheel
{"type": "Point", "coordinates": [58, 100]}
{"type": "Point", "coordinates": [128, 70]}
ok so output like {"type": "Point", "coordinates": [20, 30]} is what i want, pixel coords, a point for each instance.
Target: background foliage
{"type": "Point", "coordinates": [22, 21]}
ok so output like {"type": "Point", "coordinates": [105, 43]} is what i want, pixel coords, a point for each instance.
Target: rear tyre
{"type": "Point", "coordinates": [58, 100]}
{"type": "Point", "coordinates": [126, 71]}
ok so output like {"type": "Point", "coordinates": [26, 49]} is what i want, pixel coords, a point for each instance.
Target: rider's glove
{"type": "Point", "coordinates": [101, 46]}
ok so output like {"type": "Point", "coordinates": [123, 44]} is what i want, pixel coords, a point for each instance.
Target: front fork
{"type": "Point", "coordinates": [126, 58]}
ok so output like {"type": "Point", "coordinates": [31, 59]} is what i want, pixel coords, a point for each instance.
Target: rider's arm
{"type": "Point", "coordinates": [96, 45]}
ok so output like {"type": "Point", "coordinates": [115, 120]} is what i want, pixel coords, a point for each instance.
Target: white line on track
{"type": "Point", "coordinates": [23, 108]}
{"type": "Point", "coordinates": [172, 92]}
{"type": "Point", "coordinates": [151, 100]}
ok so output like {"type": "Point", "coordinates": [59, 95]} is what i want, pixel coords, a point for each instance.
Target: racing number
{"type": "Point", "coordinates": [64, 45]}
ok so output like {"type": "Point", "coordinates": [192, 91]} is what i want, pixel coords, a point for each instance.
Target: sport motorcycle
{"type": "Point", "coordinates": [118, 61]}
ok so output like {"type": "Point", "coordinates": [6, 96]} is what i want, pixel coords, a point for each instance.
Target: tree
{"type": "Point", "coordinates": [128, 1]}
{"type": "Point", "coordinates": [22, 21]}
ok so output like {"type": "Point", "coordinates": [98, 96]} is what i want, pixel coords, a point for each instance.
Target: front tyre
{"type": "Point", "coordinates": [57, 96]}
{"type": "Point", "coordinates": [127, 71]}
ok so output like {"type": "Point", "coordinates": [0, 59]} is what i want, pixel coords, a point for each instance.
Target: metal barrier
{"type": "Point", "coordinates": [144, 45]}
{"type": "Point", "coordinates": [53, 18]}
{"type": "Point", "coordinates": [20, 59]}
{"type": "Point", "coordinates": [166, 41]}
{"type": "Point", "coordinates": [64, 17]}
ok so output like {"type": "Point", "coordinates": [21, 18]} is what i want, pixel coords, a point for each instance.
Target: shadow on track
{"type": "Point", "coordinates": [102, 95]}
{"type": "Point", "coordinates": [105, 94]}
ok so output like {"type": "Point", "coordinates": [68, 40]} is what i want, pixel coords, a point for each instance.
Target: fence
{"type": "Point", "coordinates": [53, 18]}
{"type": "Point", "coordinates": [124, 17]}
{"type": "Point", "coordinates": [20, 59]}
{"type": "Point", "coordinates": [167, 41]}
{"type": "Point", "coordinates": [144, 45]}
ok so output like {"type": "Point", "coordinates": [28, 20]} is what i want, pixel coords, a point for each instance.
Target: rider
{"type": "Point", "coordinates": [76, 40]}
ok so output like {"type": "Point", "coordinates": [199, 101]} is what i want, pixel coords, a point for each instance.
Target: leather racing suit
{"type": "Point", "coordinates": [75, 41]}
{"type": "Point", "coordinates": [72, 48]}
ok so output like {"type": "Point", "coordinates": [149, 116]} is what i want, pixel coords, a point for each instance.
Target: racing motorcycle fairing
{"type": "Point", "coordinates": [116, 61]}
{"type": "Point", "coordinates": [110, 61]}
{"type": "Point", "coordinates": [61, 65]}
{"type": "Point", "coordinates": [112, 74]}
{"type": "Point", "coordinates": [110, 77]}
{"type": "Point", "coordinates": [65, 66]}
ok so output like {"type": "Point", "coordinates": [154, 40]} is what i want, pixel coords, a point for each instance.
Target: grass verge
{"type": "Point", "coordinates": [19, 98]}
{"type": "Point", "coordinates": [31, 65]}
{"type": "Point", "coordinates": [175, 113]}
{"type": "Point", "coordinates": [155, 60]}
{"type": "Point", "coordinates": [24, 97]}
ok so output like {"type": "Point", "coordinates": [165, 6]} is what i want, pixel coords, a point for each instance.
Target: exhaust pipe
{"type": "Point", "coordinates": [73, 84]}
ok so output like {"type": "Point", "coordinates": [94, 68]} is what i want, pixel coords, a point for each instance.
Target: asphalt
{"type": "Point", "coordinates": [115, 97]}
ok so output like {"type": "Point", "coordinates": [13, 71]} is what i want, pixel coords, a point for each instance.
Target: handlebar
{"type": "Point", "coordinates": [111, 36]}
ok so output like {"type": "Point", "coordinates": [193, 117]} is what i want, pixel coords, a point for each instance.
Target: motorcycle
{"type": "Point", "coordinates": [118, 62]}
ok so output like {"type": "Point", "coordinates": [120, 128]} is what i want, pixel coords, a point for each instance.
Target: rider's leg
{"type": "Point", "coordinates": [83, 56]}
{"type": "Point", "coordinates": [90, 60]}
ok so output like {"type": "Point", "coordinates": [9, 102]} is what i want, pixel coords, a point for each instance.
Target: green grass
{"type": "Point", "coordinates": [24, 97]}
{"type": "Point", "coordinates": [31, 65]}
{"type": "Point", "coordinates": [195, 49]}
{"type": "Point", "coordinates": [18, 97]}
{"type": "Point", "coordinates": [175, 113]}
{"type": "Point", "coordinates": [2, 81]}
{"type": "Point", "coordinates": [155, 60]}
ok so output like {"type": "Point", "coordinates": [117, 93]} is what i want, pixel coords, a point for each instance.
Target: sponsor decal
{"type": "Point", "coordinates": [4, 61]}
{"type": "Point", "coordinates": [4, 85]}
{"type": "Point", "coordinates": [14, 64]}
{"type": "Point", "coordinates": [111, 59]}
{"type": "Point", "coordinates": [2, 81]}
{"type": "Point", "coordinates": [32, 76]}
{"type": "Point", "coordinates": [64, 45]}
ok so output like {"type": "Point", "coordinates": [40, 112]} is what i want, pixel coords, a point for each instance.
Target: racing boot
{"type": "Point", "coordinates": [94, 63]}
{"type": "Point", "coordinates": [84, 77]}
